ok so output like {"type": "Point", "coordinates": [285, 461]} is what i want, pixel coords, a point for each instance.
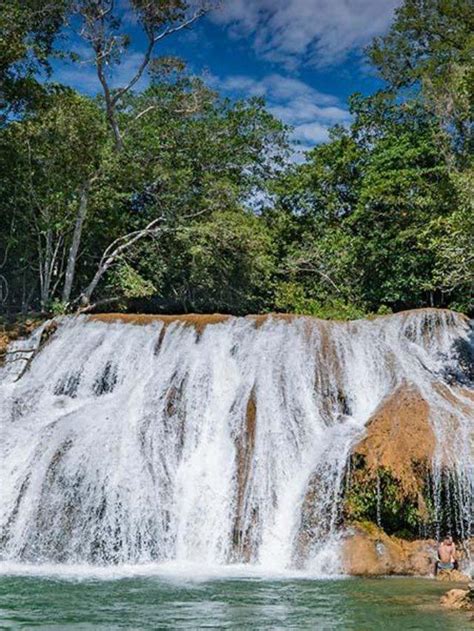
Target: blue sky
{"type": "Point", "coordinates": [304, 56]}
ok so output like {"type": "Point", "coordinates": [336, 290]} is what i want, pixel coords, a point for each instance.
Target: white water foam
{"type": "Point", "coordinates": [126, 448]}
{"type": "Point", "coordinates": [171, 571]}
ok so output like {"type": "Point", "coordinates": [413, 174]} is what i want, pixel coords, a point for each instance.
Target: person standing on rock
{"type": "Point", "coordinates": [446, 555]}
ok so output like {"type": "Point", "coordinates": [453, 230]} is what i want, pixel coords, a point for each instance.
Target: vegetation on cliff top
{"type": "Point", "coordinates": [173, 199]}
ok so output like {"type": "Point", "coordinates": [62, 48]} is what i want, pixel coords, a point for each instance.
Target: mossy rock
{"type": "Point", "coordinates": [380, 499]}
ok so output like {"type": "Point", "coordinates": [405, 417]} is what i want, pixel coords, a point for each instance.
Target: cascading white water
{"type": "Point", "coordinates": [128, 444]}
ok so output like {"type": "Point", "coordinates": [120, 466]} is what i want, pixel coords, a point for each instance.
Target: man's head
{"type": "Point", "coordinates": [448, 540]}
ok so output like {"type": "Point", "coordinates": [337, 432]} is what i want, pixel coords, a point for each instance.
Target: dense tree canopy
{"type": "Point", "coordinates": [28, 29]}
{"type": "Point", "coordinates": [430, 48]}
{"type": "Point", "coordinates": [171, 198]}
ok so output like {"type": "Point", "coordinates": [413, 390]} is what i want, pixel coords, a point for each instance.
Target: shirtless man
{"type": "Point", "coordinates": [446, 555]}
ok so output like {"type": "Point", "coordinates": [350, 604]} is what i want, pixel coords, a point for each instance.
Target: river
{"type": "Point", "coordinates": [187, 599]}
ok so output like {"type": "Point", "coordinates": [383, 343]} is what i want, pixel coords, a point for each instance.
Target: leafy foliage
{"type": "Point", "coordinates": [174, 199]}
{"type": "Point", "coordinates": [378, 500]}
{"type": "Point", "coordinates": [430, 47]}
{"type": "Point", "coordinates": [28, 29]}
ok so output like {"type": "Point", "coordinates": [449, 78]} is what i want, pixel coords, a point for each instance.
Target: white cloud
{"type": "Point", "coordinates": [311, 133]}
{"type": "Point", "coordinates": [241, 84]}
{"type": "Point", "coordinates": [300, 110]}
{"type": "Point", "coordinates": [78, 76]}
{"type": "Point", "coordinates": [310, 112]}
{"type": "Point", "coordinates": [314, 32]}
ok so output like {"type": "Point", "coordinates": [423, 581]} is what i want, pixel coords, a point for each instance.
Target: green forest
{"type": "Point", "coordinates": [173, 199]}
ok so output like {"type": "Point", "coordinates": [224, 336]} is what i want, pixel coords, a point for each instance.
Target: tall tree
{"type": "Point", "coordinates": [369, 207]}
{"type": "Point", "coordinates": [41, 175]}
{"type": "Point", "coordinates": [102, 27]}
{"type": "Point", "coordinates": [28, 29]}
{"type": "Point", "coordinates": [429, 49]}
{"type": "Point", "coordinates": [185, 170]}
{"type": "Point", "coordinates": [430, 46]}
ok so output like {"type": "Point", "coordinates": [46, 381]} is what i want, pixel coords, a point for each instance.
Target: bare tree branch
{"type": "Point", "coordinates": [4, 288]}
{"type": "Point", "coordinates": [305, 265]}
{"type": "Point", "coordinates": [99, 303]}
{"type": "Point", "coordinates": [153, 40]}
{"type": "Point", "coordinates": [118, 247]}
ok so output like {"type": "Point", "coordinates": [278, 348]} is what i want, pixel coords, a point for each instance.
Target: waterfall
{"type": "Point", "coordinates": [125, 443]}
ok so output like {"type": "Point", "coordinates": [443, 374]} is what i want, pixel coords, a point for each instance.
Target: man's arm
{"type": "Point", "coordinates": [453, 552]}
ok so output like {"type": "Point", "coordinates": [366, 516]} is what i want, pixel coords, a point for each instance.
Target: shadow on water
{"type": "Point", "coordinates": [154, 603]}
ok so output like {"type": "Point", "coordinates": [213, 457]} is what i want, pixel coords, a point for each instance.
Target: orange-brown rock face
{"type": "Point", "coordinates": [193, 319]}
{"type": "Point", "coordinates": [394, 460]}
{"type": "Point", "coordinates": [197, 320]}
{"type": "Point", "coordinates": [462, 599]}
{"type": "Point", "coordinates": [369, 551]}
{"type": "Point", "coordinates": [452, 576]}
{"type": "Point", "coordinates": [400, 439]}
{"type": "Point", "coordinates": [244, 453]}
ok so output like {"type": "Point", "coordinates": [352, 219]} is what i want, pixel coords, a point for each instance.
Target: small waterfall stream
{"type": "Point", "coordinates": [131, 444]}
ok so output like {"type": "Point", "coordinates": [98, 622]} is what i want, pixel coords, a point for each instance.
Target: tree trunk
{"type": "Point", "coordinates": [76, 241]}
{"type": "Point", "coordinates": [89, 290]}
{"type": "Point", "coordinates": [114, 251]}
{"type": "Point", "coordinates": [115, 128]}
{"type": "Point", "coordinates": [46, 271]}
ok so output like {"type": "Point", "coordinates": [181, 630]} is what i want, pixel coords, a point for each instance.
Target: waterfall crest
{"type": "Point", "coordinates": [127, 443]}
